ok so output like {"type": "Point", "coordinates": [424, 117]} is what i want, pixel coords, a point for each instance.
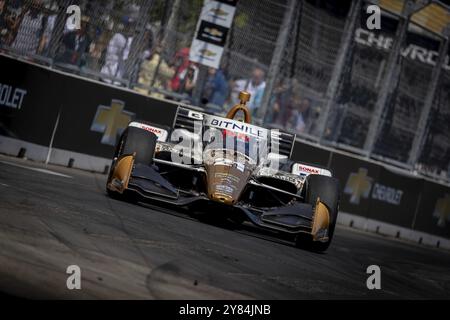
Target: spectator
{"type": "Point", "coordinates": [302, 116]}
{"type": "Point", "coordinates": [50, 21]}
{"type": "Point", "coordinates": [280, 100]}
{"type": "Point", "coordinates": [180, 63]}
{"type": "Point", "coordinates": [75, 44]}
{"type": "Point", "coordinates": [154, 73]}
{"type": "Point", "coordinates": [11, 16]}
{"type": "Point", "coordinates": [216, 88]}
{"type": "Point", "coordinates": [29, 25]}
{"type": "Point", "coordinates": [255, 86]}
{"type": "Point", "coordinates": [3, 25]}
{"type": "Point", "coordinates": [149, 39]}
{"type": "Point", "coordinates": [188, 78]}
{"type": "Point", "coordinates": [98, 47]}
{"type": "Point", "coordinates": [290, 111]}
{"type": "Point", "coordinates": [117, 53]}
{"type": "Point", "coordinates": [186, 73]}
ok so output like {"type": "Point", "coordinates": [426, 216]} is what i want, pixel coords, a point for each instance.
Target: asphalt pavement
{"type": "Point", "coordinates": [52, 217]}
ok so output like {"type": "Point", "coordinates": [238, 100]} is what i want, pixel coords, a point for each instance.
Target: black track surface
{"type": "Point", "coordinates": [49, 222]}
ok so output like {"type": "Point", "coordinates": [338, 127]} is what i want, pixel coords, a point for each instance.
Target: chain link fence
{"type": "Point", "coordinates": [306, 67]}
{"type": "Point", "coordinates": [435, 154]}
{"type": "Point", "coordinates": [359, 87]}
{"type": "Point", "coordinates": [328, 86]}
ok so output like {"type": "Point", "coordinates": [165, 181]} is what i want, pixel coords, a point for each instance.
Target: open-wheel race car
{"type": "Point", "coordinates": [227, 167]}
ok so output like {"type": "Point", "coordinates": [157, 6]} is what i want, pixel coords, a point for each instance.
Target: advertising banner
{"type": "Point", "coordinates": [357, 179]}
{"type": "Point", "coordinates": [92, 122]}
{"type": "Point", "coordinates": [394, 198]}
{"type": "Point", "coordinates": [210, 37]}
{"type": "Point", "coordinates": [28, 103]}
{"type": "Point", "coordinates": [433, 212]}
{"type": "Point", "coordinates": [90, 116]}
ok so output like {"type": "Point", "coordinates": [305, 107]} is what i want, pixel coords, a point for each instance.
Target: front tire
{"type": "Point", "coordinates": [136, 141]}
{"type": "Point", "coordinates": [141, 142]}
{"type": "Point", "coordinates": [327, 189]}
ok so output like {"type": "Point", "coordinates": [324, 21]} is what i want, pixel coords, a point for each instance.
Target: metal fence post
{"type": "Point", "coordinates": [409, 7]}
{"type": "Point", "coordinates": [57, 33]}
{"type": "Point", "coordinates": [420, 135]}
{"type": "Point", "coordinates": [275, 63]}
{"type": "Point", "coordinates": [134, 57]}
{"type": "Point", "coordinates": [171, 25]}
{"type": "Point", "coordinates": [339, 66]}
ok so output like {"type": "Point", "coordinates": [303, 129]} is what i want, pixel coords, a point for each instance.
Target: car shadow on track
{"type": "Point", "coordinates": [245, 228]}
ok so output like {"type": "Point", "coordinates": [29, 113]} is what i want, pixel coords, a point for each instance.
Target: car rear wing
{"type": "Point", "coordinates": [280, 142]}
{"type": "Point", "coordinates": [185, 119]}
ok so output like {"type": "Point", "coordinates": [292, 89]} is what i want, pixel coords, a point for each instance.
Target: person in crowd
{"type": "Point", "coordinates": [117, 52]}
{"type": "Point", "coordinates": [188, 79]}
{"type": "Point", "coordinates": [290, 112]}
{"type": "Point", "coordinates": [144, 53]}
{"type": "Point", "coordinates": [29, 25]}
{"type": "Point", "coordinates": [75, 44]}
{"type": "Point", "coordinates": [179, 63]}
{"type": "Point", "coordinates": [154, 73]}
{"type": "Point", "coordinates": [280, 100]}
{"type": "Point", "coordinates": [3, 25]}
{"type": "Point", "coordinates": [149, 39]}
{"type": "Point", "coordinates": [301, 116]}
{"type": "Point", "coordinates": [52, 8]}
{"type": "Point", "coordinates": [215, 90]}
{"type": "Point", "coordinates": [255, 86]}
{"type": "Point", "coordinates": [10, 20]}
{"type": "Point", "coordinates": [186, 73]}
{"type": "Point", "coordinates": [99, 43]}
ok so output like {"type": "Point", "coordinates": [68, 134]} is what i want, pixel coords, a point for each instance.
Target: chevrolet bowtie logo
{"type": "Point", "coordinates": [442, 210]}
{"type": "Point", "coordinates": [214, 32]}
{"type": "Point", "coordinates": [358, 184]}
{"type": "Point", "coordinates": [111, 121]}
{"type": "Point", "coordinates": [218, 12]}
{"type": "Point", "coordinates": [207, 53]}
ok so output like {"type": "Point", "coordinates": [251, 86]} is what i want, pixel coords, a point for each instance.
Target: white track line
{"type": "Point", "coordinates": [35, 169]}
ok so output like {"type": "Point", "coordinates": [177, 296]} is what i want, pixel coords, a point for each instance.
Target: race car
{"type": "Point", "coordinates": [230, 168]}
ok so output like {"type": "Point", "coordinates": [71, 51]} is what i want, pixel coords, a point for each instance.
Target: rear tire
{"type": "Point", "coordinates": [327, 189]}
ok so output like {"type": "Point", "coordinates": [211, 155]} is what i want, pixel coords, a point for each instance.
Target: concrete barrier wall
{"type": "Point", "coordinates": [59, 117]}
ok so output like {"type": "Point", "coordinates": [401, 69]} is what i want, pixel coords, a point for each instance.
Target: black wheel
{"type": "Point", "coordinates": [139, 141]}
{"type": "Point", "coordinates": [133, 140]}
{"type": "Point", "coordinates": [327, 189]}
